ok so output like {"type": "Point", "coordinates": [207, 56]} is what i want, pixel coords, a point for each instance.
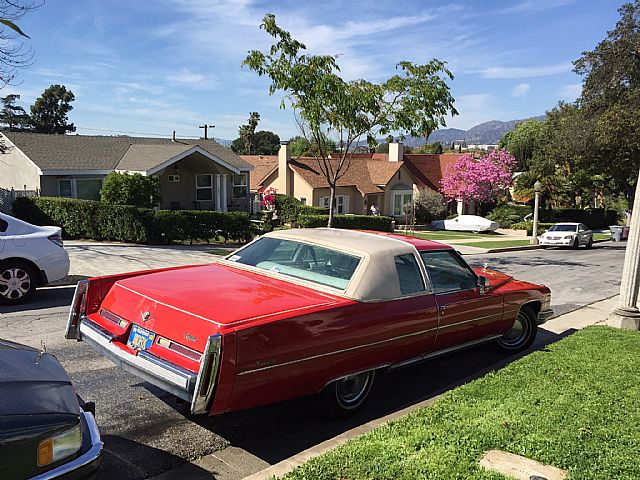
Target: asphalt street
{"type": "Point", "coordinates": [147, 432]}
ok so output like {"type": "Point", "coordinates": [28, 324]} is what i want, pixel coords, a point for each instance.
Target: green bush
{"type": "Point", "coordinates": [430, 205]}
{"type": "Point", "coordinates": [95, 220]}
{"type": "Point", "coordinates": [290, 208]}
{"type": "Point", "coordinates": [130, 189]}
{"type": "Point", "coordinates": [528, 226]}
{"type": "Point", "coordinates": [507, 215]}
{"type": "Point", "coordinates": [360, 222]}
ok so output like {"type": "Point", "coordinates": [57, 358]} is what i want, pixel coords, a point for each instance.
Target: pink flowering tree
{"type": "Point", "coordinates": [479, 180]}
{"type": "Point", "coordinates": [269, 198]}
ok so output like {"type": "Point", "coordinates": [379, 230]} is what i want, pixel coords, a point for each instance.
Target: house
{"type": "Point", "coordinates": [193, 174]}
{"type": "Point", "coordinates": [388, 181]}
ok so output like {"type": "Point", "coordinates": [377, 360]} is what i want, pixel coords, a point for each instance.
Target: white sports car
{"type": "Point", "coordinates": [567, 235]}
{"type": "Point", "coordinates": [466, 223]}
{"type": "Point", "coordinates": [30, 257]}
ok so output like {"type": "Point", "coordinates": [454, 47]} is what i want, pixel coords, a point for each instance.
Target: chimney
{"type": "Point", "coordinates": [396, 152]}
{"type": "Point", "coordinates": [283, 184]}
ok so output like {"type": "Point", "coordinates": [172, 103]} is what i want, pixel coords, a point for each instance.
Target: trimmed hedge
{"type": "Point", "coordinates": [359, 222]}
{"type": "Point", "coordinates": [507, 215]}
{"type": "Point", "coordinates": [98, 221]}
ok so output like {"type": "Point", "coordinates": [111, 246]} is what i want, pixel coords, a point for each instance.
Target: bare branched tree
{"type": "Point", "coordinates": [14, 53]}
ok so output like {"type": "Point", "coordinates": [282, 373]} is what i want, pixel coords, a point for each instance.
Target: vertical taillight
{"type": "Point", "coordinates": [78, 309]}
{"type": "Point", "coordinates": [207, 375]}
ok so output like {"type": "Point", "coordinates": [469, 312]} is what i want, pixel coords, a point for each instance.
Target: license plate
{"type": "Point", "coordinates": [140, 339]}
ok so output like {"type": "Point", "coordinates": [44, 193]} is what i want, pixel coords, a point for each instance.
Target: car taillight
{"type": "Point", "coordinates": [176, 347]}
{"type": "Point", "coordinates": [207, 375]}
{"type": "Point", "coordinates": [78, 309]}
{"type": "Point", "coordinates": [57, 239]}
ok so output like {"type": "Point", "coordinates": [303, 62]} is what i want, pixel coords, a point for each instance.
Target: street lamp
{"type": "Point", "coordinates": [537, 187]}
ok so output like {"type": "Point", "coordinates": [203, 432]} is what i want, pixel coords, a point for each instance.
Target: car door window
{"type": "Point", "coordinates": [3, 225]}
{"type": "Point", "coordinates": [409, 274]}
{"type": "Point", "coordinates": [447, 272]}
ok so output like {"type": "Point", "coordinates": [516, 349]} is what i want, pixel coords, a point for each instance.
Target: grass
{"type": "Point", "coordinates": [601, 236]}
{"type": "Point", "coordinates": [218, 251]}
{"type": "Point", "coordinates": [449, 235]}
{"type": "Point", "coordinates": [573, 405]}
{"type": "Point", "coordinates": [497, 244]}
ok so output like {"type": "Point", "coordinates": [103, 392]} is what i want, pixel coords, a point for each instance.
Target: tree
{"type": "Point", "coordinates": [482, 180]}
{"type": "Point", "coordinates": [430, 205]}
{"type": "Point", "coordinates": [13, 116]}
{"type": "Point", "coordinates": [266, 143]}
{"type": "Point", "coordinates": [523, 141]}
{"type": "Point", "coordinates": [329, 106]}
{"type": "Point", "coordinates": [130, 189]}
{"type": "Point", "coordinates": [301, 147]}
{"type": "Point", "coordinates": [13, 54]}
{"type": "Point", "coordinates": [611, 99]}
{"type": "Point", "coordinates": [49, 113]}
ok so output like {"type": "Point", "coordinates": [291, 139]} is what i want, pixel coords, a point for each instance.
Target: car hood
{"type": "Point", "coordinates": [33, 382]}
{"type": "Point", "coordinates": [217, 293]}
{"type": "Point", "coordinates": [496, 278]}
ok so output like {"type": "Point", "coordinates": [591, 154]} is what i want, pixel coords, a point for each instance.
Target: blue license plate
{"type": "Point", "coordinates": [140, 339]}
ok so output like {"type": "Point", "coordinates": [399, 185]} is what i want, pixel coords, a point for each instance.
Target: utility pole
{"type": "Point", "coordinates": [206, 129]}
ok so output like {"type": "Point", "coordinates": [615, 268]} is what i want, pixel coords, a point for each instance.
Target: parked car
{"type": "Point", "coordinates": [30, 257]}
{"type": "Point", "coordinates": [46, 430]}
{"type": "Point", "coordinates": [301, 312]}
{"type": "Point", "coordinates": [466, 223]}
{"type": "Point", "coordinates": [567, 235]}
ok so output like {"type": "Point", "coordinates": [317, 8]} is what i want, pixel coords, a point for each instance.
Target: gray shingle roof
{"type": "Point", "coordinates": [80, 152]}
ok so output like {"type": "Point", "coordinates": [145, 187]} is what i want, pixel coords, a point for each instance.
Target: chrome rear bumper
{"type": "Point", "coordinates": [166, 375]}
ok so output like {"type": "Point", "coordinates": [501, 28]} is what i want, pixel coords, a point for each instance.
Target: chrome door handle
{"type": "Point", "coordinates": [442, 310]}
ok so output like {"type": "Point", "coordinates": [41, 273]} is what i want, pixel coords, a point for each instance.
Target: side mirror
{"type": "Point", "coordinates": [483, 283]}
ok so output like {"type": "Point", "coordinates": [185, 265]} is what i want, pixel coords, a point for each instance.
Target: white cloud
{"type": "Point", "coordinates": [525, 72]}
{"type": "Point", "coordinates": [570, 91]}
{"type": "Point", "coordinates": [186, 77]}
{"type": "Point", "coordinates": [535, 6]}
{"type": "Point", "coordinates": [521, 90]}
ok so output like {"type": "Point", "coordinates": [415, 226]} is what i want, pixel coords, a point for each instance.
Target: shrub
{"type": "Point", "coordinates": [528, 226]}
{"type": "Point", "coordinates": [430, 206]}
{"type": "Point", "coordinates": [290, 208]}
{"type": "Point", "coordinates": [96, 220]}
{"type": "Point", "coordinates": [506, 215]}
{"type": "Point", "coordinates": [130, 189]}
{"type": "Point", "coordinates": [360, 222]}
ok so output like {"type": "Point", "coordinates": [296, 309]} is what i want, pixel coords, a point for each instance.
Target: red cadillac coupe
{"type": "Point", "coordinates": [300, 312]}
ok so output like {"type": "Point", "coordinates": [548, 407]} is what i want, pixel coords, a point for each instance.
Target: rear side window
{"type": "Point", "coordinates": [3, 225]}
{"type": "Point", "coordinates": [447, 272]}
{"type": "Point", "coordinates": [409, 274]}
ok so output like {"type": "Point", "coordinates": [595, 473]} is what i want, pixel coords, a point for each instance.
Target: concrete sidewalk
{"type": "Point", "coordinates": [233, 463]}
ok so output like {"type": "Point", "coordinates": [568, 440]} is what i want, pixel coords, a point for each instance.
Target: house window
{"type": "Point", "coordinates": [402, 203]}
{"type": "Point", "coordinates": [65, 187]}
{"type": "Point", "coordinates": [204, 186]}
{"type": "Point", "coordinates": [82, 188]}
{"type": "Point", "coordinates": [341, 204]}
{"type": "Point", "coordinates": [303, 200]}
{"type": "Point", "coordinates": [174, 178]}
{"type": "Point", "coordinates": [240, 185]}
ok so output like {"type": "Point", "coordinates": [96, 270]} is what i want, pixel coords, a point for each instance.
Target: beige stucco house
{"type": "Point", "coordinates": [380, 180]}
{"type": "Point", "coordinates": [193, 174]}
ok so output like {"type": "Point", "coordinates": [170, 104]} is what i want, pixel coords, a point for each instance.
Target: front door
{"type": "Point", "coordinates": [465, 313]}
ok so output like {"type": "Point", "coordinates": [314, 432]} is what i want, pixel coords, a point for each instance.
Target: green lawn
{"type": "Point", "coordinates": [601, 236]}
{"type": "Point", "coordinates": [573, 405]}
{"type": "Point", "coordinates": [497, 244]}
{"type": "Point", "coordinates": [218, 251]}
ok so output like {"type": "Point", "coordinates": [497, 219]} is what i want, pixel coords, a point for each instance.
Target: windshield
{"type": "Point", "coordinates": [299, 260]}
{"type": "Point", "coordinates": [563, 228]}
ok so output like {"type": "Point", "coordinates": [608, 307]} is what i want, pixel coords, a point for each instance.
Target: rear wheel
{"type": "Point", "coordinates": [18, 281]}
{"type": "Point", "coordinates": [522, 333]}
{"type": "Point", "coordinates": [346, 395]}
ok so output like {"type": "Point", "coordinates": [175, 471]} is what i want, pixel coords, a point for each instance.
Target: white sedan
{"type": "Point", "coordinates": [567, 235]}
{"type": "Point", "coordinates": [30, 257]}
{"type": "Point", "coordinates": [466, 223]}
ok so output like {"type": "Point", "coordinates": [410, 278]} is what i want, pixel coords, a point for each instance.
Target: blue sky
{"type": "Point", "coordinates": [150, 67]}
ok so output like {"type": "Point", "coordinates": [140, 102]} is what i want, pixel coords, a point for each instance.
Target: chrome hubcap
{"type": "Point", "coordinates": [351, 389]}
{"type": "Point", "coordinates": [14, 283]}
{"type": "Point", "coordinates": [517, 333]}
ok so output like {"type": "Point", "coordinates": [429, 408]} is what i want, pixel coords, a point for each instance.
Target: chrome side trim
{"type": "Point", "coordinates": [91, 455]}
{"type": "Point", "coordinates": [168, 376]}
{"type": "Point", "coordinates": [472, 320]}
{"type": "Point", "coordinates": [78, 304]}
{"type": "Point", "coordinates": [321, 355]}
{"type": "Point", "coordinates": [445, 351]}
{"type": "Point", "coordinates": [207, 375]}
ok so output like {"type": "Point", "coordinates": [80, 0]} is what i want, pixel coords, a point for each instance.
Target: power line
{"type": "Point", "coordinates": [132, 133]}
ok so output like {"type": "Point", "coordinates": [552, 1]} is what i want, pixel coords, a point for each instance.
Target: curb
{"type": "Point", "coordinates": [530, 247]}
